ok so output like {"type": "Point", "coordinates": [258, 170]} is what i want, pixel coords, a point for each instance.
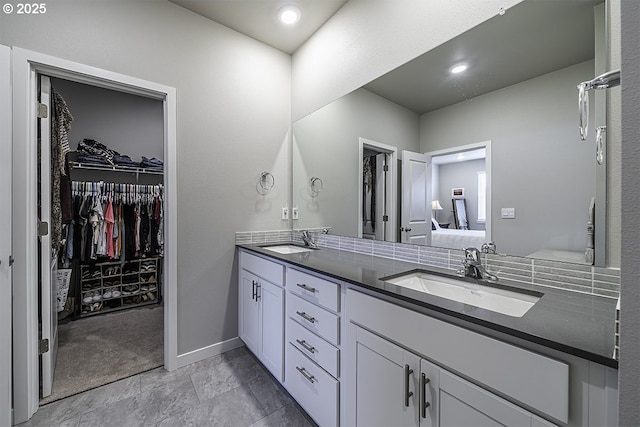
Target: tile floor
{"type": "Point", "coordinates": [231, 389]}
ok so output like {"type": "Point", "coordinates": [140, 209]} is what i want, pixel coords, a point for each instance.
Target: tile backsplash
{"type": "Point", "coordinates": [574, 277]}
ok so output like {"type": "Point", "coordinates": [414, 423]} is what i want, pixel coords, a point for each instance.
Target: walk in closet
{"type": "Point", "coordinates": [106, 233]}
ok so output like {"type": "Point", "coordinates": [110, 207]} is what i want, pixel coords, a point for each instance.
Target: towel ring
{"type": "Point", "coordinates": [316, 185]}
{"type": "Point", "coordinates": [267, 181]}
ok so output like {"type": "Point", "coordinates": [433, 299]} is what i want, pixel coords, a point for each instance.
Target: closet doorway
{"type": "Point", "coordinates": [131, 283]}
{"type": "Point", "coordinates": [377, 178]}
{"type": "Point", "coordinates": [103, 201]}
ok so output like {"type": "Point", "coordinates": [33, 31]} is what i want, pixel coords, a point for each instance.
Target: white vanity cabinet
{"type": "Point", "coordinates": [261, 310]}
{"type": "Point", "coordinates": [397, 387]}
{"type": "Point", "coordinates": [313, 345]}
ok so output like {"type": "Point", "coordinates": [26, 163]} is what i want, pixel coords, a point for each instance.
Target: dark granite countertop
{"type": "Point", "coordinates": [574, 323]}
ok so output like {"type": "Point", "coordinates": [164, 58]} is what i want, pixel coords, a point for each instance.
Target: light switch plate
{"type": "Point", "coordinates": [294, 212]}
{"type": "Point", "coordinates": [285, 212]}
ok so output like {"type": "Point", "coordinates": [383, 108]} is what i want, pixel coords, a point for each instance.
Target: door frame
{"type": "Point", "coordinates": [26, 65]}
{"type": "Point", "coordinates": [487, 146]}
{"type": "Point", "coordinates": [5, 231]}
{"type": "Point", "coordinates": [391, 184]}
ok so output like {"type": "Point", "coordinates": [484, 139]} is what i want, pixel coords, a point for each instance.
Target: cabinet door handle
{"type": "Point", "coordinates": [306, 287]}
{"type": "Point", "coordinates": [306, 346]}
{"type": "Point", "coordinates": [306, 317]}
{"type": "Point", "coordinates": [423, 382]}
{"type": "Point", "coordinates": [253, 296]}
{"type": "Point", "coordinates": [307, 375]}
{"type": "Point", "coordinates": [407, 394]}
{"type": "Point", "coordinates": [258, 290]}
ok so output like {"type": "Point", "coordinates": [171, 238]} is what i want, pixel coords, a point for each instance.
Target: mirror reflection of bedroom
{"type": "Point", "coordinates": [459, 199]}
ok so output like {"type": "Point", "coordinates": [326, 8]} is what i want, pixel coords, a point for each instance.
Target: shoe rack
{"type": "Point", "coordinates": [111, 286]}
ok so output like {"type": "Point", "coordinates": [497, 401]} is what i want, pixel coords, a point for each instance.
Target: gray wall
{"type": "Point", "coordinates": [233, 104]}
{"type": "Point", "coordinates": [539, 165]}
{"type": "Point", "coordinates": [129, 124]}
{"type": "Point", "coordinates": [326, 145]}
{"type": "Point", "coordinates": [456, 175]}
{"type": "Point", "coordinates": [629, 373]}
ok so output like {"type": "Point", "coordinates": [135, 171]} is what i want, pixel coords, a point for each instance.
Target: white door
{"type": "Point", "coordinates": [272, 315]}
{"type": "Point", "coordinates": [5, 233]}
{"type": "Point", "coordinates": [48, 307]}
{"type": "Point", "coordinates": [386, 383]}
{"type": "Point", "coordinates": [416, 213]}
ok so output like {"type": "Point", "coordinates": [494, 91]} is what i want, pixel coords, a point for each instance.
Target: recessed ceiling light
{"type": "Point", "coordinates": [456, 69]}
{"type": "Point", "coordinates": [289, 14]}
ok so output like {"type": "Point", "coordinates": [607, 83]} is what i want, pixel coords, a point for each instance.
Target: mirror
{"type": "Point", "coordinates": [518, 97]}
{"type": "Point", "coordinates": [460, 214]}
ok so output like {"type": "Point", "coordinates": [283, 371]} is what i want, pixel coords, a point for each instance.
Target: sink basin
{"type": "Point", "coordinates": [506, 300]}
{"type": "Point", "coordinates": [287, 249]}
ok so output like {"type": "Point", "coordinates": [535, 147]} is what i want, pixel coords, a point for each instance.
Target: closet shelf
{"type": "Point", "coordinates": [129, 169]}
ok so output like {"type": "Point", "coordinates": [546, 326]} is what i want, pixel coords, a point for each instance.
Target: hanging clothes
{"type": "Point", "coordinates": [115, 221]}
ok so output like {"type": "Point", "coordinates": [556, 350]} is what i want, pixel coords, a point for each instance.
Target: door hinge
{"type": "Point", "coordinates": [43, 111]}
{"type": "Point", "coordinates": [385, 218]}
{"type": "Point", "coordinates": [43, 346]}
{"type": "Point", "coordinates": [43, 228]}
{"type": "Point", "coordinates": [385, 168]}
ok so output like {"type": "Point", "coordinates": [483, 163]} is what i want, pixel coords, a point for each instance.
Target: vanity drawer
{"type": "Point", "coordinates": [314, 347]}
{"type": "Point", "coordinates": [268, 270]}
{"type": "Point", "coordinates": [314, 318]}
{"type": "Point", "coordinates": [319, 291]}
{"type": "Point", "coordinates": [314, 389]}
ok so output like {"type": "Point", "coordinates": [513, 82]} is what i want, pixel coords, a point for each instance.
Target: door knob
{"type": "Point", "coordinates": [405, 229]}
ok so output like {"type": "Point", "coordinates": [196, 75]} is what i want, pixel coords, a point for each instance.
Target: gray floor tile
{"type": "Point", "coordinates": [71, 407]}
{"type": "Point", "coordinates": [269, 393]}
{"type": "Point", "coordinates": [237, 407]}
{"type": "Point", "coordinates": [225, 376]}
{"type": "Point", "coordinates": [146, 408]}
{"type": "Point", "coordinates": [290, 415]}
{"type": "Point", "coordinates": [158, 377]}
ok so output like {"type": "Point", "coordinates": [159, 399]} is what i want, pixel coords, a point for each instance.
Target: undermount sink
{"type": "Point", "coordinates": [513, 303]}
{"type": "Point", "coordinates": [286, 249]}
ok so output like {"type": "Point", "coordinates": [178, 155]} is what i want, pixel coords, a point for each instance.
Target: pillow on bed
{"type": "Point", "coordinates": [434, 224]}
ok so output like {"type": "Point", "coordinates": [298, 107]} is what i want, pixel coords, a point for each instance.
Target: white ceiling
{"type": "Point", "coordinates": [258, 18]}
{"type": "Point", "coordinates": [532, 38]}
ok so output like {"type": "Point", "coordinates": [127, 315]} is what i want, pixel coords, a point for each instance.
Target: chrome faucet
{"type": "Point", "coordinates": [473, 267]}
{"type": "Point", "coordinates": [307, 239]}
{"type": "Point", "coordinates": [488, 248]}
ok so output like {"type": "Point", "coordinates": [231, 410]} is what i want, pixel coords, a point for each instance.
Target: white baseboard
{"type": "Point", "coordinates": [209, 351]}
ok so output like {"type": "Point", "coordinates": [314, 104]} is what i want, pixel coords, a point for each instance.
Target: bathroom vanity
{"type": "Point", "coordinates": [356, 350]}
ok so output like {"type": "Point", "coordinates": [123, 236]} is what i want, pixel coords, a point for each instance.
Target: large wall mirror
{"type": "Point", "coordinates": [502, 135]}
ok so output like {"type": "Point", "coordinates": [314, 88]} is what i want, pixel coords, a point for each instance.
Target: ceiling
{"type": "Point", "coordinates": [532, 38]}
{"type": "Point", "coordinates": [258, 18]}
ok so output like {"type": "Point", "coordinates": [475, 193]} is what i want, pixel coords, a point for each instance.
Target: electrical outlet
{"type": "Point", "coordinates": [285, 212]}
{"type": "Point", "coordinates": [508, 213]}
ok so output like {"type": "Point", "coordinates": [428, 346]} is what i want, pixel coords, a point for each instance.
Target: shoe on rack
{"type": "Point", "coordinates": [107, 294]}
{"type": "Point", "coordinates": [151, 296]}
{"type": "Point", "coordinates": [97, 296]}
{"type": "Point", "coordinates": [144, 288]}
{"type": "Point", "coordinates": [87, 297]}
{"type": "Point", "coordinates": [115, 294]}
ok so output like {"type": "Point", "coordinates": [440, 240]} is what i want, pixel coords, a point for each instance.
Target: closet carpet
{"type": "Point", "coordinates": [105, 348]}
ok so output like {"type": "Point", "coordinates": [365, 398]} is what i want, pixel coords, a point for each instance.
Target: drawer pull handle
{"type": "Point", "coordinates": [306, 287]}
{"type": "Point", "coordinates": [255, 292]}
{"type": "Point", "coordinates": [306, 346]}
{"type": "Point", "coordinates": [424, 381]}
{"type": "Point", "coordinates": [306, 317]}
{"type": "Point", "coordinates": [407, 394]}
{"type": "Point", "coordinates": [307, 375]}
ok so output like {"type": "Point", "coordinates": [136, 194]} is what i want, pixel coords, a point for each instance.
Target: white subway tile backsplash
{"type": "Point", "coordinates": [573, 277]}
